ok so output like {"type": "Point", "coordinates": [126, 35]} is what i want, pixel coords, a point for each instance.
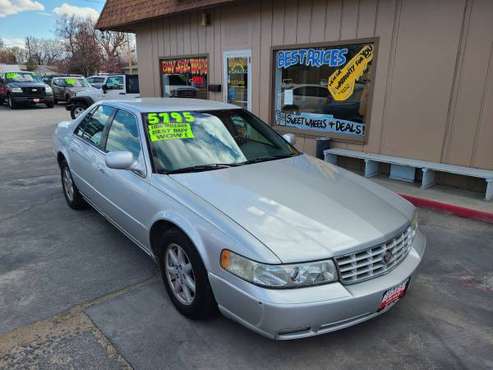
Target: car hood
{"type": "Point", "coordinates": [302, 208]}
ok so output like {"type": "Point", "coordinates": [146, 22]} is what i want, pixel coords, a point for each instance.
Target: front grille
{"type": "Point", "coordinates": [375, 261]}
{"type": "Point", "coordinates": [33, 92]}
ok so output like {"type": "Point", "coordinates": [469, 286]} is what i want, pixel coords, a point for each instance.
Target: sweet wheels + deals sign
{"type": "Point", "coordinates": [318, 122]}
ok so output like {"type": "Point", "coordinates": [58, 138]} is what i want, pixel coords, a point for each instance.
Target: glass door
{"type": "Point", "coordinates": [238, 78]}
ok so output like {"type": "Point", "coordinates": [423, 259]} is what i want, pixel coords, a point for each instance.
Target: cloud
{"type": "Point", "coordinates": [14, 41]}
{"type": "Point", "coordinates": [11, 7]}
{"type": "Point", "coordinates": [77, 11]}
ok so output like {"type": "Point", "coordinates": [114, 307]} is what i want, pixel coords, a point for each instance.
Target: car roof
{"type": "Point", "coordinates": [143, 105]}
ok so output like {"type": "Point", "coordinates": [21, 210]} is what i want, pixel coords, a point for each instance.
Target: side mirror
{"type": "Point", "coordinates": [290, 138]}
{"type": "Point", "coordinates": [104, 87]}
{"type": "Point", "coordinates": [121, 160]}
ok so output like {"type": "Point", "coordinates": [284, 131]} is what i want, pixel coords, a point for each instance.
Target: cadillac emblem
{"type": "Point", "coordinates": [387, 257]}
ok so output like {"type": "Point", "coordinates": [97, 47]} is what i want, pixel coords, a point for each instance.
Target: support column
{"type": "Point", "coordinates": [371, 168]}
{"type": "Point", "coordinates": [331, 158]}
{"type": "Point", "coordinates": [428, 179]}
{"type": "Point", "coordinates": [489, 189]}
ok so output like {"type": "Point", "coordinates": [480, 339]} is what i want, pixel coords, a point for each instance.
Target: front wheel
{"type": "Point", "coordinates": [185, 277]}
{"type": "Point", "coordinates": [72, 195]}
{"type": "Point", "coordinates": [11, 103]}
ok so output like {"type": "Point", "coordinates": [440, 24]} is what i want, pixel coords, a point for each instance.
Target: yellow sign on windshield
{"type": "Point", "coordinates": [11, 75]}
{"type": "Point", "coordinates": [169, 126]}
{"type": "Point", "coordinates": [70, 81]}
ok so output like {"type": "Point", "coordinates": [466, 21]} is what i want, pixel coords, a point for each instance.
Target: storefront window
{"type": "Point", "coordinates": [184, 77]}
{"type": "Point", "coordinates": [324, 89]}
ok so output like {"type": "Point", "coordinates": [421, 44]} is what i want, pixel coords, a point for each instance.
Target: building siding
{"type": "Point", "coordinates": [433, 88]}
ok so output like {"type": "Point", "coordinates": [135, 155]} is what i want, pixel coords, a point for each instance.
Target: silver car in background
{"type": "Point", "coordinates": [237, 218]}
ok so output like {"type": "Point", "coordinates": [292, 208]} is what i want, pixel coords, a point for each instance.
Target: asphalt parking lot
{"type": "Point", "coordinates": [75, 293]}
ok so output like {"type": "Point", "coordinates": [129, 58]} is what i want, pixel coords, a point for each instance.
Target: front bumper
{"type": "Point", "coordinates": [48, 99]}
{"type": "Point", "coordinates": [298, 313]}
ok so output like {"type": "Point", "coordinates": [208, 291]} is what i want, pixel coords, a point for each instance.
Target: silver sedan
{"type": "Point", "coordinates": [239, 220]}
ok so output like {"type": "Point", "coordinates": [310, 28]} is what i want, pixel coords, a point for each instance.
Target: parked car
{"type": "Point", "coordinates": [67, 86]}
{"type": "Point", "coordinates": [97, 81]}
{"type": "Point", "coordinates": [115, 87]}
{"type": "Point", "coordinates": [212, 193]}
{"type": "Point", "coordinates": [177, 86]}
{"type": "Point", "coordinates": [21, 88]}
{"type": "Point", "coordinates": [313, 98]}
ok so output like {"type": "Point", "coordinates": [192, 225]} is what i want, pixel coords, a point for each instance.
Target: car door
{"type": "Point", "coordinates": [87, 158]}
{"type": "Point", "coordinates": [58, 88]}
{"type": "Point", "coordinates": [126, 191]}
{"type": "Point", "coordinates": [115, 86]}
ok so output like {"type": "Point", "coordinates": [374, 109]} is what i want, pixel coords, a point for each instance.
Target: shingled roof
{"type": "Point", "coordinates": [119, 14]}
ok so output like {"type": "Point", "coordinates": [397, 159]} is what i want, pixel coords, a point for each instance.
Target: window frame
{"type": "Point", "coordinates": [137, 122]}
{"type": "Point", "coordinates": [105, 130]}
{"type": "Point", "coordinates": [187, 56]}
{"type": "Point", "coordinates": [324, 44]}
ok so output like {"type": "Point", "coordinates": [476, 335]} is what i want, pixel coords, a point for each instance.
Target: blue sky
{"type": "Point", "coordinates": [21, 18]}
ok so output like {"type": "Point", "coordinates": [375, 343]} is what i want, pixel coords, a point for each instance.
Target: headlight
{"type": "Point", "coordinates": [16, 90]}
{"type": "Point", "coordinates": [48, 89]}
{"type": "Point", "coordinates": [279, 276]}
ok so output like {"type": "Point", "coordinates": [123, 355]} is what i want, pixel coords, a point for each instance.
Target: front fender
{"type": "Point", "coordinates": [188, 228]}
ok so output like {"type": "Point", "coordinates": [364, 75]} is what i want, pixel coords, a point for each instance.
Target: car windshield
{"type": "Point", "coordinates": [199, 141]}
{"type": "Point", "coordinates": [75, 82]}
{"type": "Point", "coordinates": [19, 77]}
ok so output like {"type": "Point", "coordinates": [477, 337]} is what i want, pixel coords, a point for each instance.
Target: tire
{"type": "Point", "coordinates": [11, 103]}
{"type": "Point", "coordinates": [77, 109]}
{"type": "Point", "coordinates": [55, 101]}
{"type": "Point", "coordinates": [72, 195]}
{"type": "Point", "coordinates": [189, 269]}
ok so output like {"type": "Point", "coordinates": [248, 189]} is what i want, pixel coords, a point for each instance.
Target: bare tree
{"type": "Point", "coordinates": [81, 45]}
{"type": "Point", "coordinates": [42, 51]}
{"type": "Point", "coordinates": [111, 44]}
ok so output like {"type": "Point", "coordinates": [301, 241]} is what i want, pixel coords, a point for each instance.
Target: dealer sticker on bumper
{"type": "Point", "coordinates": [392, 295]}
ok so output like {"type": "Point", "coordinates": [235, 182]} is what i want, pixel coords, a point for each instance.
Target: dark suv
{"type": "Point", "coordinates": [21, 88]}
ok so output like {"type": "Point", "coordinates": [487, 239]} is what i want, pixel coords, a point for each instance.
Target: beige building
{"type": "Point", "coordinates": [406, 78]}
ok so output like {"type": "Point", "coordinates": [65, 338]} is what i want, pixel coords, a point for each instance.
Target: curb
{"type": "Point", "coordinates": [450, 208]}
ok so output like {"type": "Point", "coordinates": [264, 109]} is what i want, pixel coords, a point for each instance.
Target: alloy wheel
{"type": "Point", "coordinates": [78, 111]}
{"type": "Point", "coordinates": [180, 275]}
{"type": "Point", "coordinates": [68, 184]}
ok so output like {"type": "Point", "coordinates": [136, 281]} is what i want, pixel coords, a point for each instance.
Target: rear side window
{"type": "Point", "coordinates": [124, 134]}
{"type": "Point", "coordinates": [92, 126]}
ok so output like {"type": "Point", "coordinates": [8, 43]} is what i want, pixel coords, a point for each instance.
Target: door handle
{"type": "Point", "coordinates": [122, 93]}
{"type": "Point", "coordinates": [101, 169]}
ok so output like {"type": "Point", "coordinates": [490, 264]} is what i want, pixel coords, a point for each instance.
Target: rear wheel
{"type": "Point", "coordinates": [77, 110]}
{"type": "Point", "coordinates": [72, 195]}
{"type": "Point", "coordinates": [185, 277]}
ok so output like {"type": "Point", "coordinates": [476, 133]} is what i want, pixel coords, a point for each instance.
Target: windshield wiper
{"type": "Point", "coordinates": [201, 167]}
{"type": "Point", "coordinates": [271, 158]}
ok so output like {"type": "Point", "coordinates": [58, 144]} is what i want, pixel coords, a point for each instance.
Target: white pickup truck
{"type": "Point", "coordinates": [115, 87]}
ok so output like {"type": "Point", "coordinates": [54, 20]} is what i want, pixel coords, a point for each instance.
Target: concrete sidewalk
{"type": "Point", "coordinates": [447, 199]}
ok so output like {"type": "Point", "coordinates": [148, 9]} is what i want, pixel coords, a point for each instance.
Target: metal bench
{"type": "Point", "coordinates": [405, 166]}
